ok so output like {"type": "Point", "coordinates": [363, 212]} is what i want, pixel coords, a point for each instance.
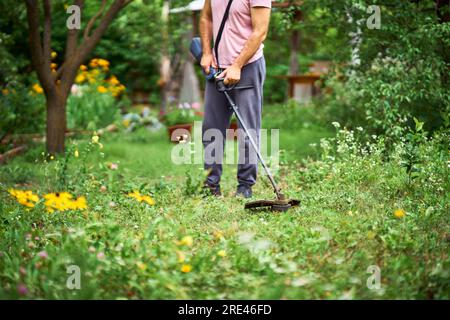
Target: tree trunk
{"type": "Point", "coordinates": [56, 124]}
{"type": "Point", "coordinates": [295, 45]}
{"type": "Point", "coordinates": [443, 13]}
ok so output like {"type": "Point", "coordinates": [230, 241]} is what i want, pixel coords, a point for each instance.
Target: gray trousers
{"type": "Point", "coordinates": [218, 114]}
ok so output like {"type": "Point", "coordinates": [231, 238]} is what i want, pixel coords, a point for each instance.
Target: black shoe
{"type": "Point", "coordinates": [210, 190]}
{"type": "Point", "coordinates": [244, 191]}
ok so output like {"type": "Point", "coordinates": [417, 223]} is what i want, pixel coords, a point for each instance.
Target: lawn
{"type": "Point", "coordinates": [361, 219]}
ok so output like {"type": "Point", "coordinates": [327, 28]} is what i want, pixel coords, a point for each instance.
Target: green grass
{"type": "Point", "coordinates": [322, 249]}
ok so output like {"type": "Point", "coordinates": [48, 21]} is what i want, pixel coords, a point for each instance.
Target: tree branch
{"type": "Point", "coordinates": [88, 45]}
{"type": "Point", "coordinates": [93, 19]}
{"type": "Point", "coordinates": [37, 52]}
{"type": "Point", "coordinates": [72, 36]}
{"type": "Point", "coordinates": [47, 38]}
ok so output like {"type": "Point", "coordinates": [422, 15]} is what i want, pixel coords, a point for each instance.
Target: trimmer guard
{"type": "Point", "coordinates": [274, 205]}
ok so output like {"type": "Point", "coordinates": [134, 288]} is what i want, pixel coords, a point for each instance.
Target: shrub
{"type": "Point", "coordinates": [93, 103]}
{"type": "Point", "coordinates": [21, 111]}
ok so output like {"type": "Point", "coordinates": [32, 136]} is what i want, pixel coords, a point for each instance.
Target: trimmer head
{"type": "Point", "coordinates": [279, 205]}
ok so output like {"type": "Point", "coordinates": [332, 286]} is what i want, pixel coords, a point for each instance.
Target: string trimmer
{"type": "Point", "coordinates": [281, 203]}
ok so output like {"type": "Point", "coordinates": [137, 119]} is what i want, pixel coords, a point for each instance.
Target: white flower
{"type": "Point", "coordinates": [336, 124]}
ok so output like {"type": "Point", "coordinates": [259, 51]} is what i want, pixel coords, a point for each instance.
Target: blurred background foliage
{"type": "Point", "coordinates": [402, 71]}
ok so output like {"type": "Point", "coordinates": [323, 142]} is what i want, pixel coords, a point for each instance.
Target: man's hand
{"type": "Point", "coordinates": [231, 75]}
{"type": "Point", "coordinates": [207, 62]}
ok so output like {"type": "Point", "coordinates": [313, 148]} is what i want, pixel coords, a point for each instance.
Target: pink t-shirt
{"type": "Point", "coordinates": [238, 28]}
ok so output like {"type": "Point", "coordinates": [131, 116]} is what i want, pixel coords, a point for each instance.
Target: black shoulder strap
{"type": "Point", "coordinates": [219, 34]}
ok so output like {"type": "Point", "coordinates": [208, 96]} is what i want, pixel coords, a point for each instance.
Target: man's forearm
{"type": "Point", "coordinates": [206, 34]}
{"type": "Point", "coordinates": [250, 48]}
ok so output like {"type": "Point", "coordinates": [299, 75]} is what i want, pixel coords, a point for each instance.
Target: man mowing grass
{"type": "Point", "coordinates": [239, 28]}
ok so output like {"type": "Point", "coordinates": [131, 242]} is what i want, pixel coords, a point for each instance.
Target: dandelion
{"type": "Point", "coordinates": [186, 268]}
{"type": "Point", "coordinates": [76, 154]}
{"type": "Point", "coordinates": [399, 213]}
{"type": "Point", "coordinates": [222, 253]}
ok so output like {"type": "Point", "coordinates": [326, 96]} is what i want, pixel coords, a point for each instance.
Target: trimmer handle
{"type": "Point", "coordinates": [221, 87]}
{"type": "Point", "coordinates": [197, 53]}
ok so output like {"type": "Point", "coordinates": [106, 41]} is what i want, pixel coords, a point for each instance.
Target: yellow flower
{"type": "Point", "coordinates": [136, 195]}
{"type": "Point", "coordinates": [80, 203]}
{"type": "Point", "coordinates": [148, 200]}
{"type": "Point", "coordinates": [76, 154]}
{"type": "Point", "coordinates": [53, 66]}
{"type": "Point", "coordinates": [5, 92]}
{"type": "Point", "coordinates": [126, 123]}
{"type": "Point", "coordinates": [52, 157]}
{"type": "Point", "coordinates": [141, 198]}
{"type": "Point", "coordinates": [25, 198]}
{"type": "Point", "coordinates": [95, 139]}
{"type": "Point", "coordinates": [54, 55]}
{"type": "Point", "coordinates": [83, 67]}
{"type": "Point", "coordinates": [102, 89]}
{"type": "Point", "coordinates": [37, 88]}
{"type": "Point", "coordinates": [399, 213]}
{"type": "Point", "coordinates": [103, 63]}
{"type": "Point", "coordinates": [80, 78]}
{"type": "Point", "coordinates": [222, 253]}
{"type": "Point", "coordinates": [93, 63]}
{"type": "Point", "coordinates": [186, 241]}
{"type": "Point", "coordinates": [218, 234]}
{"type": "Point", "coordinates": [113, 80]}
{"type": "Point", "coordinates": [62, 201]}
{"type": "Point", "coordinates": [186, 268]}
